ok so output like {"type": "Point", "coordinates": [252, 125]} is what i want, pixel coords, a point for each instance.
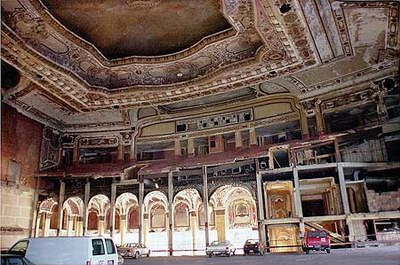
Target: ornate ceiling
{"type": "Point", "coordinates": [91, 62]}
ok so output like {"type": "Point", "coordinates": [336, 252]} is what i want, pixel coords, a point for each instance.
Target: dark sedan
{"type": "Point", "coordinates": [254, 246]}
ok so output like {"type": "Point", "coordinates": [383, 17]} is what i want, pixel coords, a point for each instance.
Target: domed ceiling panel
{"type": "Point", "coordinates": [124, 28]}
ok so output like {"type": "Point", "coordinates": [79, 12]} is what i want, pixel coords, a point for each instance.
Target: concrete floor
{"type": "Point", "coordinates": [360, 256]}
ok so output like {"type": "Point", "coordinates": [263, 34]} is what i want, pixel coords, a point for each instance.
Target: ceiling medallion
{"type": "Point", "coordinates": [142, 3]}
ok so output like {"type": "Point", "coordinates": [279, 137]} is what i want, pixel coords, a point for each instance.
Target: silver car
{"type": "Point", "coordinates": [133, 250]}
{"type": "Point", "coordinates": [223, 247]}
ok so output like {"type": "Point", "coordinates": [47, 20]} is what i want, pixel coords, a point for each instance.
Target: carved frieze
{"type": "Point", "coordinates": [104, 141]}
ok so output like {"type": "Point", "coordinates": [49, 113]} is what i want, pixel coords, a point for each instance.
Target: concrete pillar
{"type": "Point", "coordinates": [170, 213]}
{"type": "Point", "coordinates": [70, 225]}
{"type": "Point", "coordinates": [86, 210]}
{"type": "Point", "coordinates": [253, 136]}
{"type": "Point", "coordinates": [75, 153]}
{"type": "Point", "coordinates": [261, 214]}
{"type": "Point", "coordinates": [112, 209]}
{"type": "Point", "coordinates": [141, 211]}
{"type": "Point", "coordinates": [177, 147]}
{"type": "Point", "coordinates": [145, 227]}
{"type": "Point", "coordinates": [190, 147]}
{"type": "Point", "coordinates": [46, 228]}
{"type": "Point", "coordinates": [297, 200]}
{"type": "Point", "coordinates": [193, 227]}
{"type": "Point", "coordinates": [205, 195]}
{"type": "Point", "coordinates": [343, 190]}
{"type": "Point", "coordinates": [220, 223]}
{"type": "Point", "coordinates": [100, 227]}
{"type": "Point", "coordinates": [60, 206]}
{"type": "Point", "coordinates": [122, 227]}
{"type": "Point", "coordinates": [238, 139]}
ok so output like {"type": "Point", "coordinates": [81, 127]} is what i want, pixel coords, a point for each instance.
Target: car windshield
{"type": "Point", "coordinates": [317, 234]}
{"type": "Point", "coordinates": [252, 241]}
{"type": "Point", "coordinates": [219, 243]}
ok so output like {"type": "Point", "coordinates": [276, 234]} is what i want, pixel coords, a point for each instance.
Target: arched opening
{"type": "Point", "coordinates": [93, 221]}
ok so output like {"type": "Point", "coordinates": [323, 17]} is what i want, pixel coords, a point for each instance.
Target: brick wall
{"type": "Point", "coordinates": [385, 201]}
{"type": "Point", "coordinates": [20, 152]}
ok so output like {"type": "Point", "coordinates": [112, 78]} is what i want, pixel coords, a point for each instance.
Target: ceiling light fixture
{"type": "Point", "coordinates": [179, 74]}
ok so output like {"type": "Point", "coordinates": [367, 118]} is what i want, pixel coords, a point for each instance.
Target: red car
{"type": "Point", "coordinates": [317, 240]}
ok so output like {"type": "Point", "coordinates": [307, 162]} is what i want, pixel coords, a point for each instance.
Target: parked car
{"type": "Point", "coordinates": [220, 248]}
{"type": "Point", "coordinates": [14, 259]}
{"type": "Point", "coordinates": [317, 240]}
{"type": "Point", "coordinates": [67, 250]}
{"type": "Point", "coordinates": [120, 260]}
{"type": "Point", "coordinates": [254, 246]}
{"type": "Point", "coordinates": [133, 250]}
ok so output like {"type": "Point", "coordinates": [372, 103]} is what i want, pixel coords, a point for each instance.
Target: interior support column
{"type": "Point", "coordinates": [60, 207]}
{"type": "Point", "coordinates": [253, 137]}
{"type": "Point", "coordinates": [141, 212]}
{"type": "Point", "coordinates": [319, 116]}
{"type": "Point", "coordinates": [193, 226]}
{"type": "Point", "coordinates": [86, 210]}
{"type": "Point", "coordinates": [177, 147]}
{"type": "Point", "coordinates": [145, 227]}
{"type": "Point", "coordinates": [220, 223]}
{"type": "Point", "coordinates": [170, 213]}
{"type": "Point", "coordinates": [205, 198]}
{"type": "Point", "coordinates": [35, 209]}
{"type": "Point", "coordinates": [112, 202]}
{"type": "Point", "coordinates": [238, 139]}
{"type": "Point", "coordinates": [37, 225]}
{"type": "Point", "coordinates": [190, 146]}
{"type": "Point", "coordinates": [46, 227]}
{"type": "Point", "coordinates": [78, 226]}
{"type": "Point", "coordinates": [122, 227]}
{"type": "Point", "coordinates": [101, 225]}
{"type": "Point", "coordinates": [261, 214]}
{"type": "Point", "coordinates": [305, 132]}
{"type": "Point", "coordinates": [298, 206]}
{"type": "Point", "coordinates": [70, 225]}
{"type": "Point", "coordinates": [345, 200]}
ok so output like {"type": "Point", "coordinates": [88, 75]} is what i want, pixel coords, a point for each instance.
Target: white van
{"type": "Point", "coordinates": [67, 250]}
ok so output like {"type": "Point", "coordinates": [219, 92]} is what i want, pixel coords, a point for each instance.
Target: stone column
{"type": "Point", "coordinates": [253, 136]}
{"type": "Point", "coordinates": [170, 213]}
{"type": "Point", "coordinates": [35, 209]}
{"type": "Point", "coordinates": [70, 225]}
{"type": "Point", "coordinates": [86, 210]}
{"type": "Point", "coordinates": [112, 209]}
{"type": "Point", "coordinates": [100, 227]}
{"type": "Point", "coordinates": [193, 226]}
{"type": "Point", "coordinates": [190, 147]}
{"type": "Point", "coordinates": [79, 226]}
{"type": "Point", "coordinates": [60, 206]}
{"type": "Point", "coordinates": [46, 228]}
{"type": "Point", "coordinates": [220, 223]}
{"type": "Point", "coordinates": [205, 195]}
{"type": "Point", "coordinates": [177, 147]}
{"type": "Point", "coordinates": [297, 200]}
{"type": "Point", "coordinates": [141, 210]}
{"type": "Point", "coordinates": [319, 116]}
{"type": "Point", "coordinates": [37, 225]}
{"type": "Point", "coordinates": [345, 201]}
{"type": "Point", "coordinates": [122, 227]}
{"type": "Point", "coordinates": [238, 139]}
{"type": "Point", "coordinates": [145, 227]}
{"type": "Point", "coordinates": [261, 214]}
{"type": "Point", "coordinates": [305, 132]}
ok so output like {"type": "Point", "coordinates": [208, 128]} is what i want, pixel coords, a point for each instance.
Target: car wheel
{"type": "Point", "coordinates": [245, 253]}
{"type": "Point", "coordinates": [328, 250]}
{"type": "Point", "coordinates": [307, 251]}
{"type": "Point", "coordinates": [137, 255]}
{"type": "Point", "coordinates": [210, 255]}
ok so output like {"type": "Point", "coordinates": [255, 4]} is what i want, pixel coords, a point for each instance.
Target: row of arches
{"type": "Point", "coordinates": [229, 208]}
